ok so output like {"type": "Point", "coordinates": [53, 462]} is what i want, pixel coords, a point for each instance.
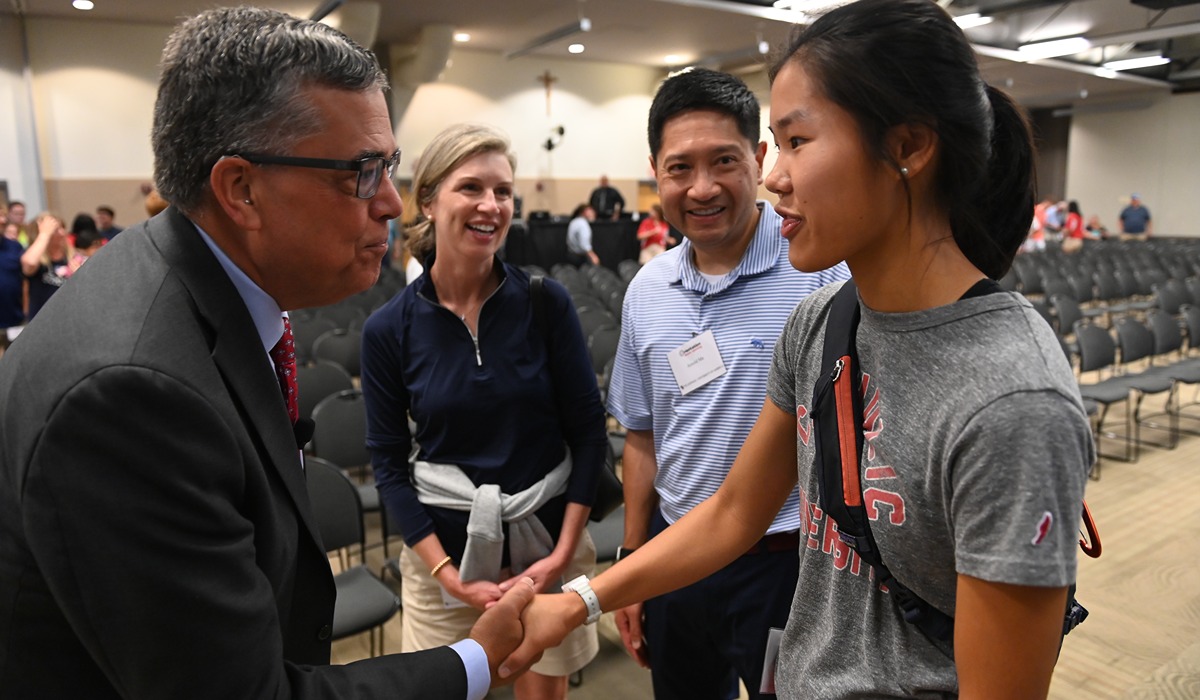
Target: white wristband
{"type": "Point", "coordinates": [581, 586]}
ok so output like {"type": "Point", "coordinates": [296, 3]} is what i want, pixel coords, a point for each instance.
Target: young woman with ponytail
{"type": "Point", "coordinates": [896, 157]}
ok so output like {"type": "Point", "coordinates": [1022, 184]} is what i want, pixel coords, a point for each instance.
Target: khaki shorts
{"type": "Point", "coordinates": [426, 623]}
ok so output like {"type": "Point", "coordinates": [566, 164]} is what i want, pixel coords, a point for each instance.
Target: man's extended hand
{"type": "Point", "coordinates": [548, 620]}
{"type": "Point", "coordinates": [629, 624]}
{"type": "Point", "coordinates": [500, 630]}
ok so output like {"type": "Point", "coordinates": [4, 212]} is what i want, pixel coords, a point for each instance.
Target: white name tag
{"type": "Point", "coordinates": [767, 686]}
{"type": "Point", "coordinates": [696, 363]}
{"type": "Point", "coordinates": [449, 601]}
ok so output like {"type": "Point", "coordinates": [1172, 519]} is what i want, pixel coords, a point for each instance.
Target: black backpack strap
{"type": "Point", "coordinates": [837, 414]}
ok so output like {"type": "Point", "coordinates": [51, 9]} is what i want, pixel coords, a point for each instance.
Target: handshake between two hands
{"type": "Point", "coordinates": [515, 630]}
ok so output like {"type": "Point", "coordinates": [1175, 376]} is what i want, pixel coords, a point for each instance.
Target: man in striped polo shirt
{"type": "Point", "coordinates": [698, 330]}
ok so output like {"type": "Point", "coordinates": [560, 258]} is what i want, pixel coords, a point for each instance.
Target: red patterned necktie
{"type": "Point", "coordinates": [284, 357]}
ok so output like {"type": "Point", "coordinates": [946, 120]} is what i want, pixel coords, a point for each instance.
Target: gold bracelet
{"type": "Point", "coordinates": [439, 566]}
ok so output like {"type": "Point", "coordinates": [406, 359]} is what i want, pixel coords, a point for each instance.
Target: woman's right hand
{"type": "Point", "coordinates": [480, 595]}
{"type": "Point", "coordinates": [48, 226]}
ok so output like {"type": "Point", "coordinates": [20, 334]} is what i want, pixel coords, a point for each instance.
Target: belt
{"type": "Point", "coordinates": [777, 542]}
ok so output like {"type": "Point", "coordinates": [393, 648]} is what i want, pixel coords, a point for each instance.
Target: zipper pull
{"type": "Point", "coordinates": [837, 370]}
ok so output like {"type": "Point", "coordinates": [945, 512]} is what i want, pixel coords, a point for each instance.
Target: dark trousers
{"type": "Point", "coordinates": [702, 638]}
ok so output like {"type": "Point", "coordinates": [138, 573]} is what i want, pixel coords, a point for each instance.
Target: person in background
{"type": "Point", "coordinates": [509, 433]}
{"type": "Point", "coordinates": [154, 203]}
{"type": "Point", "coordinates": [82, 222]}
{"type": "Point", "coordinates": [1134, 221]}
{"type": "Point", "coordinates": [655, 235]}
{"type": "Point", "coordinates": [579, 236]}
{"type": "Point", "coordinates": [12, 284]}
{"type": "Point", "coordinates": [88, 242]}
{"type": "Point", "coordinates": [46, 263]}
{"type": "Point", "coordinates": [1074, 223]}
{"type": "Point", "coordinates": [730, 278]}
{"type": "Point", "coordinates": [1073, 232]}
{"type": "Point", "coordinates": [978, 521]}
{"type": "Point", "coordinates": [16, 215]}
{"type": "Point", "coordinates": [1096, 229]}
{"type": "Point", "coordinates": [156, 535]}
{"type": "Point", "coordinates": [104, 222]}
{"type": "Point", "coordinates": [607, 201]}
{"type": "Point", "coordinates": [1055, 217]}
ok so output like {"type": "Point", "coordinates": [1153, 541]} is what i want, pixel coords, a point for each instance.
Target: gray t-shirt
{"type": "Point", "coordinates": [976, 455]}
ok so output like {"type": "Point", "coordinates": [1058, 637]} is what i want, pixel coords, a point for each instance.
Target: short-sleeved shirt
{"type": "Point", "coordinates": [1134, 219]}
{"type": "Point", "coordinates": [45, 282]}
{"type": "Point", "coordinates": [697, 437]}
{"type": "Point", "coordinates": [10, 283]}
{"type": "Point", "coordinates": [579, 236]}
{"type": "Point", "coordinates": [961, 475]}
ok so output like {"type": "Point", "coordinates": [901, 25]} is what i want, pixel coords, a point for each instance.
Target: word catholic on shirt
{"type": "Point", "coordinates": [821, 531]}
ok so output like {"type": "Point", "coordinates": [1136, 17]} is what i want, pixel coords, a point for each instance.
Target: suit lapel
{"type": "Point", "coordinates": [236, 350]}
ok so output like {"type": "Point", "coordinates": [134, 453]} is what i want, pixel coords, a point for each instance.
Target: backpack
{"type": "Point", "coordinates": [837, 415]}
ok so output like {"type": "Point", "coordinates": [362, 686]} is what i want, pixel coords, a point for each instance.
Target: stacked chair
{"type": "Point", "coordinates": [364, 602]}
{"type": "Point", "coordinates": [1128, 317]}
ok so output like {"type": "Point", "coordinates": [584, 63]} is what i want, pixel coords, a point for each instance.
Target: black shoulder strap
{"type": "Point", "coordinates": [837, 412]}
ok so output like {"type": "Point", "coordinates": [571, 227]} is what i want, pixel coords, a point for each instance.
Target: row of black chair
{"type": "Point", "coordinates": [1145, 359]}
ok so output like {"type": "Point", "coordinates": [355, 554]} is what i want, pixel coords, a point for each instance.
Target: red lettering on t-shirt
{"type": "Point", "coordinates": [873, 497]}
{"type": "Point", "coordinates": [803, 424]}
{"type": "Point", "coordinates": [814, 527]}
{"type": "Point", "coordinates": [877, 473]}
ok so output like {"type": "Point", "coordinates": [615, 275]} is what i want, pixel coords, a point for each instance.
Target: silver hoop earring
{"type": "Point", "coordinates": [903, 171]}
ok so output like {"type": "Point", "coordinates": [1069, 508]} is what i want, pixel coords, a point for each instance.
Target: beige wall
{"type": "Point", "coordinates": [1154, 152]}
{"type": "Point", "coordinates": [601, 106]}
{"type": "Point", "coordinates": [93, 110]}
{"type": "Point", "coordinates": [68, 197]}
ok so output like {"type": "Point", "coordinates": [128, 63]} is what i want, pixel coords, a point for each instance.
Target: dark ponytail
{"type": "Point", "coordinates": [1006, 204]}
{"type": "Point", "coordinates": [892, 62]}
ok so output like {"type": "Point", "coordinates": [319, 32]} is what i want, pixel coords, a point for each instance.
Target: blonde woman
{"type": "Point", "coordinates": [46, 263]}
{"type": "Point", "coordinates": [509, 425]}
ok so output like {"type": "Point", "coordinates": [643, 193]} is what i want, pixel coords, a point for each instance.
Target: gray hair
{"type": "Point", "coordinates": [232, 81]}
{"type": "Point", "coordinates": [444, 154]}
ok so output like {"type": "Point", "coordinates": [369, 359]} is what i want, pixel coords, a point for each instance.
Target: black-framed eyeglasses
{"type": "Point", "coordinates": [370, 170]}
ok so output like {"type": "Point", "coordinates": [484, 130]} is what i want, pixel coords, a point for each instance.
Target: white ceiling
{"type": "Point", "coordinates": [725, 31]}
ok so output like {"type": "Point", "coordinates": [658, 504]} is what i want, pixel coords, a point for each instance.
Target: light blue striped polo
{"type": "Point", "coordinates": [697, 437]}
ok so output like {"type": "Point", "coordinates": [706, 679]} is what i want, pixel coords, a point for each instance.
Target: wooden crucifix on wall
{"type": "Point", "coordinates": [548, 80]}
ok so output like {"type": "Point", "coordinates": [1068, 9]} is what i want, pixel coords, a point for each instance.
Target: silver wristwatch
{"type": "Point", "coordinates": [581, 586]}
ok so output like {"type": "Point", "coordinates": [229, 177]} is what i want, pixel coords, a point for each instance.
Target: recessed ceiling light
{"type": "Point", "coordinates": [671, 59]}
{"type": "Point", "coordinates": [83, 4]}
{"type": "Point", "coordinates": [575, 48]}
{"type": "Point", "coordinates": [462, 37]}
{"type": "Point", "coordinates": [1135, 63]}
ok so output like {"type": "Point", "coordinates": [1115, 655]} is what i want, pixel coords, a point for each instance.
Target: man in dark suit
{"type": "Point", "coordinates": [607, 201]}
{"type": "Point", "coordinates": [156, 539]}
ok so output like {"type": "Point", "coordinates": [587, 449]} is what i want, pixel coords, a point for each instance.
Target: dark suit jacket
{"type": "Point", "coordinates": [156, 539]}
